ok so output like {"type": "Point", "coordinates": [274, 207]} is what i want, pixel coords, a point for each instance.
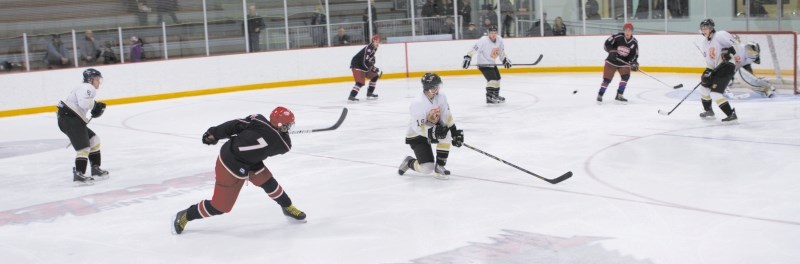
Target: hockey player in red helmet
{"type": "Point", "coordinates": [363, 67]}
{"type": "Point", "coordinates": [251, 140]}
{"type": "Point", "coordinates": [623, 52]}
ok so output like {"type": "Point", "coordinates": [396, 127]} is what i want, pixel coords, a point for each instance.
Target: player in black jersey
{"type": "Point", "coordinates": [363, 67]}
{"type": "Point", "coordinates": [623, 50]}
{"type": "Point", "coordinates": [252, 139]}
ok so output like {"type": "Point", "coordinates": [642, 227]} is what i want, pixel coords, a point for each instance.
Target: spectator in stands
{"type": "Point", "coordinates": [472, 32]}
{"type": "Point", "coordinates": [107, 55]}
{"type": "Point", "coordinates": [448, 8]}
{"type": "Point", "coordinates": [142, 11]}
{"type": "Point", "coordinates": [449, 27]}
{"type": "Point", "coordinates": [487, 24]}
{"type": "Point", "coordinates": [487, 12]}
{"type": "Point", "coordinates": [592, 9]}
{"type": "Point", "coordinates": [523, 9]}
{"type": "Point", "coordinates": [5, 66]}
{"type": "Point", "coordinates": [255, 24]}
{"type": "Point", "coordinates": [137, 51]}
{"type": "Point", "coordinates": [57, 54]}
{"type": "Point", "coordinates": [169, 7]}
{"type": "Point", "coordinates": [318, 34]}
{"type": "Point", "coordinates": [536, 30]}
{"type": "Point", "coordinates": [465, 11]}
{"type": "Point", "coordinates": [507, 13]}
{"type": "Point", "coordinates": [342, 39]}
{"type": "Point", "coordinates": [366, 17]}
{"type": "Point", "coordinates": [431, 10]}
{"type": "Point", "coordinates": [559, 29]}
{"type": "Point", "coordinates": [90, 51]}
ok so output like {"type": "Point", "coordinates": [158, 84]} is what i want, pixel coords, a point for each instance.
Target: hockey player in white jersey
{"type": "Point", "coordinates": [719, 47]}
{"type": "Point", "coordinates": [752, 55]}
{"type": "Point", "coordinates": [72, 121]}
{"type": "Point", "coordinates": [487, 49]}
{"type": "Point", "coordinates": [430, 123]}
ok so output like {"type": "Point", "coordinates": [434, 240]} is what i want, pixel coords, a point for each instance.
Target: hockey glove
{"type": "Point", "coordinates": [441, 131]}
{"type": "Point", "coordinates": [458, 138]}
{"type": "Point", "coordinates": [634, 66]}
{"type": "Point", "coordinates": [707, 78]}
{"type": "Point", "coordinates": [507, 63]}
{"type": "Point", "coordinates": [432, 136]}
{"type": "Point", "coordinates": [612, 56]}
{"type": "Point", "coordinates": [467, 60]}
{"type": "Point", "coordinates": [209, 139]}
{"type": "Point", "coordinates": [98, 109]}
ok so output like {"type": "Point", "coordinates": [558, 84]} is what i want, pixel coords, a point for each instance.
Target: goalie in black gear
{"type": "Point", "coordinates": [430, 123]}
{"type": "Point", "coordinates": [719, 48]}
{"type": "Point", "coordinates": [72, 121]}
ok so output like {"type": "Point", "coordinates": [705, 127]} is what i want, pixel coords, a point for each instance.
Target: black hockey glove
{"type": "Point", "coordinates": [209, 139]}
{"type": "Point", "coordinates": [612, 57]}
{"type": "Point", "coordinates": [507, 63]}
{"type": "Point", "coordinates": [432, 136]}
{"type": "Point", "coordinates": [467, 60]}
{"type": "Point", "coordinates": [707, 78]}
{"type": "Point", "coordinates": [634, 66]}
{"type": "Point", "coordinates": [458, 137]}
{"type": "Point", "coordinates": [98, 109]}
{"type": "Point", "coordinates": [441, 131]}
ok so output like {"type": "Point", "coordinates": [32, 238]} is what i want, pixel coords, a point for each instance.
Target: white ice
{"type": "Point", "coordinates": [646, 188]}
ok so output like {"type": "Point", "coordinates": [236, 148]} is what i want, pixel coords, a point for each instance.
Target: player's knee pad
{"type": "Point", "coordinates": [718, 98]}
{"type": "Point", "coordinates": [94, 143]}
{"type": "Point", "coordinates": [359, 84]}
{"type": "Point", "coordinates": [704, 93]}
{"type": "Point", "coordinates": [83, 153]}
{"type": "Point", "coordinates": [374, 78]}
{"type": "Point", "coordinates": [424, 168]}
{"type": "Point", "coordinates": [625, 77]}
{"type": "Point", "coordinates": [606, 81]}
{"type": "Point", "coordinates": [206, 209]}
{"type": "Point", "coordinates": [493, 84]}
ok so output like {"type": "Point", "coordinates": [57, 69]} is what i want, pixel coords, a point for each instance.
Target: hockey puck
{"type": "Point", "coordinates": [574, 92]}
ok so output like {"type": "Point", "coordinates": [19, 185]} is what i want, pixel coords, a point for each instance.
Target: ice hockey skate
{"type": "Point", "coordinates": [294, 214]}
{"type": "Point", "coordinates": [440, 173]}
{"type": "Point", "coordinates": [599, 99]}
{"type": "Point", "coordinates": [732, 119]}
{"type": "Point", "coordinates": [620, 99]}
{"type": "Point", "coordinates": [404, 166]}
{"type": "Point", "coordinates": [769, 92]}
{"type": "Point", "coordinates": [81, 180]}
{"type": "Point", "coordinates": [99, 174]}
{"type": "Point", "coordinates": [708, 115]}
{"type": "Point", "coordinates": [491, 99]}
{"type": "Point", "coordinates": [372, 96]}
{"type": "Point", "coordinates": [179, 222]}
{"type": "Point", "coordinates": [352, 99]}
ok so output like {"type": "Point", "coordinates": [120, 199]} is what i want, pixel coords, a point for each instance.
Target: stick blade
{"type": "Point", "coordinates": [680, 85]}
{"type": "Point", "coordinates": [662, 112]}
{"type": "Point", "coordinates": [538, 59]}
{"type": "Point", "coordinates": [561, 178]}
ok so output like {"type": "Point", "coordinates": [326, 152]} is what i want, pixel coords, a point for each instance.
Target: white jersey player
{"type": "Point", "coordinates": [752, 55]}
{"type": "Point", "coordinates": [430, 123]}
{"type": "Point", "coordinates": [488, 49]}
{"type": "Point", "coordinates": [72, 122]}
{"type": "Point", "coordinates": [719, 47]}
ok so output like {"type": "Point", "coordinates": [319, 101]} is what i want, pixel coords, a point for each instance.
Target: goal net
{"type": "Point", "coordinates": [778, 57]}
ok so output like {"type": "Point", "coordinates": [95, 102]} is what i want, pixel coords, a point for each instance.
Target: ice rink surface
{"type": "Point", "coordinates": [646, 188]}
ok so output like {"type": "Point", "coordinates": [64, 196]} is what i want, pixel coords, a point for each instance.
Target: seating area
{"type": "Point", "coordinates": [41, 18]}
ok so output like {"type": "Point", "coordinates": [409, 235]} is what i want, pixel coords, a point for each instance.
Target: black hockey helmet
{"type": "Point", "coordinates": [492, 28]}
{"type": "Point", "coordinates": [707, 23]}
{"type": "Point", "coordinates": [430, 80]}
{"type": "Point", "coordinates": [90, 73]}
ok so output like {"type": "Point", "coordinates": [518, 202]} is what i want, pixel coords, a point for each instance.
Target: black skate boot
{"type": "Point", "coordinates": [372, 96]}
{"type": "Point", "coordinates": [404, 166]}
{"type": "Point", "coordinates": [620, 99]}
{"type": "Point", "coordinates": [294, 213]}
{"type": "Point", "coordinates": [179, 222]}
{"type": "Point", "coordinates": [731, 119]}
{"type": "Point", "coordinates": [81, 180]}
{"type": "Point", "coordinates": [499, 98]}
{"type": "Point", "coordinates": [99, 174]}
{"type": "Point", "coordinates": [491, 99]}
{"type": "Point", "coordinates": [352, 99]}
{"type": "Point", "coordinates": [709, 115]}
{"type": "Point", "coordinates": [599, 99]}
{"type": "Point", "coordinates": [441, 172]}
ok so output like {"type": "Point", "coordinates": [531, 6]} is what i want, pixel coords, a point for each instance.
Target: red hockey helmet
{"type": "Point", "coordinates": [628, 25]}
{"type": "Point", "coordinates": [282, 118]}
{"type": "Point", "coordinates": [376, 38]}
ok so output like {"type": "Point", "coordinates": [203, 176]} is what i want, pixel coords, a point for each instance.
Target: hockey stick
{"type": "Point", "coordinates": [335, 126]}
{"type": "Point", "coordinates": [661, 112]}
{"type": "Point", "coordinates": [552, 181]}
{"type": "Point", "coordinates": [680, 85]}
{"type": "Point", "coordinates": [515, 64]}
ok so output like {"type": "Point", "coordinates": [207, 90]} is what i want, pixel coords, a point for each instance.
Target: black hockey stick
{"type": "Point", "coordinates": [680, 85]}
{"type": "Point", "coordinates": [662, 112]}
{"type": "Point", "coordinates": [516, 64]}
{"type": "Point", "coordinates": [552, 181]}
{"type": "Point", "coordinates": [335, 126]}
